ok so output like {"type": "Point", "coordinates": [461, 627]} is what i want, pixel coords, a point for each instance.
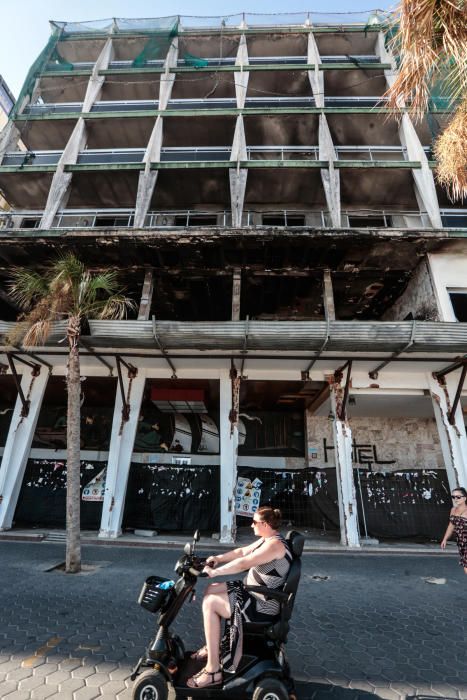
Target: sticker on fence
{"type": "Point", "coordinates": [247, 496]}
{"type": "Point", "coordinates": [94, 490]}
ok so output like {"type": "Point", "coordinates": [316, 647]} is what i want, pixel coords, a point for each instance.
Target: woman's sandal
{"type": "Point", "coordinates": [201, 654]}
{"type": "Point", "coordinates": [194, 681]}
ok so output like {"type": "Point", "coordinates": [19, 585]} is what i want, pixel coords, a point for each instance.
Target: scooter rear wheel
{"type": "Point", "coordinates": [150, 685]}
{"type": "Point", "coordinates": [270, 689]}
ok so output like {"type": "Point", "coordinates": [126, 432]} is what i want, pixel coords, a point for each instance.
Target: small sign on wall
{"type": "Point", "coordinates": [247, 496]}
{"type": "Point", "coordinates": [95, 489]}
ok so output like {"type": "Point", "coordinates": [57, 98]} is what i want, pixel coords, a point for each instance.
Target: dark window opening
{"type": "Point", "coordinates": [367, 222]}
{"type": "Point", "coordinates": [459, 304]}
{"type": "Point", "coordinates": [196, 221]}
{"type": "Point", "coordinates": [30, 223]}
{"type": "Point", "coordinates": [112, 221]}
{"type": "Point", "coordinates": [283, 220]}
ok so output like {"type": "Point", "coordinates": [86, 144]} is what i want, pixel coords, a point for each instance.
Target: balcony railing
{"type": "Point", "coordinates": [111, 155]}
{"type": "Point", "coordinates": [354, 101]}
{"type": "Point", "coordinates": [371, 153]}
{"type": "Point", "coordinates": [205, 153]}
{"type": "Point", "coordinates": [182, 218]}
{"type": "Point", "coordinates": [53, 108]}
{"type": "Point", "coordinates": [25, 158]}
{"type": "Point", "coordinates": [282, 152]}
{"type": "Point", "coordinates": [351, 58]}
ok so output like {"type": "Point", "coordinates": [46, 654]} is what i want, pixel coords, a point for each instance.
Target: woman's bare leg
{"type": "Point", "coordinates": [216, 607]}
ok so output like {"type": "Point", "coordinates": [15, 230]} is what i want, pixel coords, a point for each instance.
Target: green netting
{"type": "Point", "coordinates": [157, 46]}
{"type": "Point", "coordinates": [35, 71]}
{"type": "Point", "coordinates": [57, 62]}
{"type": "Point", "coordinates": [194, 61]}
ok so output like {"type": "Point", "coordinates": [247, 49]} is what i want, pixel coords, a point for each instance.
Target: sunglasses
{"type": "Point", "coordinates": [455, 498]}
{"type": "Point", "coordinates": [257, 522]}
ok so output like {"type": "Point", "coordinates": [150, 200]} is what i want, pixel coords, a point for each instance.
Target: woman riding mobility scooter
{"type": "Point", "coordinates": [263, 672]}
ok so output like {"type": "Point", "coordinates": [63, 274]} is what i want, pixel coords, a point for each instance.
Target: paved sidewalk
{"type": "Point", "coordinates": [363, 627]}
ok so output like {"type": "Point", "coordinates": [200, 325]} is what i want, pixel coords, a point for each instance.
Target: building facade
{"type": "Point", "coordinates": [300, 280]}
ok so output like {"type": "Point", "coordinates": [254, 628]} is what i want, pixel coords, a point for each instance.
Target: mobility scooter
{"type": "Point", "coordinates": [263, 672]}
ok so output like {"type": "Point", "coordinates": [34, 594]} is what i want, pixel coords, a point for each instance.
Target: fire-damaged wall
{"type": "Point", "coordinates": [418, 301]}
{"type": "Point", "coordinates": [379, 443]}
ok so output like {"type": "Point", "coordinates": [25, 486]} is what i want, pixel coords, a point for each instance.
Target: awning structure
{"type": "Point", "coordinates": [283, 336]}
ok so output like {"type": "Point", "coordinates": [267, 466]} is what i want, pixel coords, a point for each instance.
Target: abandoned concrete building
{"type": "Point", "coordinates": [300, 279]}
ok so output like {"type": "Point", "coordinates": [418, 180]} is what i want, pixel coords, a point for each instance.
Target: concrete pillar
{"type": "Point", "coordinates": [330, 176]}
{"type": "Point", "coordinates": [342, 435]}
{"type": "Point", "coordinates": [452, 437]}
{"type": "Point", "coordinates": [168, 78]}
{"type": "Point", "coordinates": [241, 77]}
{"type": "Point", "coordinates": [96, 81]}
{"type": "Point", "coordinates": [424, 183]}
{"type": "Point", "coordinates": [423, 177]}
{"type": "Point", "coordinates": [316, 76]}
{"type": "Point", "coordinates": [9, 137]}
{"type": "Point", "coordinates": [146, 296]}
{"type": "Point", "coordinates": [228, 461]}
{"type": "Point", "coordinates": [328, 297]}
{"type": "Point", "coordinates": [238, 177]}
{"type": "Point", "coordinates": [18, 444]}
{"type": "Point", "coordinates": [120, 451]}
{"type": "Point", "coordinates": [147, 177]}
{"type": "Point", "coordinates": [60, 186]}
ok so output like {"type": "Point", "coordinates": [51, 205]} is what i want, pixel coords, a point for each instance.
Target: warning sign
{"type": "Point", "coordinates": [247, 496]}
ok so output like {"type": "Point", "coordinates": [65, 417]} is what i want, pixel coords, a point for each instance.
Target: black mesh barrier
{"type": "Point", "coordinates": [404, 504]}
{"type": "Point", "coordinates": [172, 497]}
{"type": "Point", "coordinates": [306, 497]}
{"type": "Point", "coordinates": [42, 499]}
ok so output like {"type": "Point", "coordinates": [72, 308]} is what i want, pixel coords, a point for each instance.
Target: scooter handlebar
{"type": "Point", "coordinates": [197, 573]}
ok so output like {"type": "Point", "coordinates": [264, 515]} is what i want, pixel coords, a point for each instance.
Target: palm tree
{"type": "Point", "coordinates": [431, 41]}
{"type": "Point", "coordinates": [66, 290]}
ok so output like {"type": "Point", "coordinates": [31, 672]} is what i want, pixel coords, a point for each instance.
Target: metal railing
{"type": "Point", "coordinates": [264, 60]}
{"type": "Point", "coordinates": [350, 58]}
{"type": "Point", "coordinates": [354, 101]}
{"type": "Point", "coordinates": [181, 218]}
{"type": "Point", "coordinates": [125, 105]}
{"type": "Point", "coordinates": [195, 154]}
{"type": "Point", "coordinates": [384, 218]}
{"type": "Point", "coordinates": [111, 155]}
{"type": "Point", "coordinates": [454, 218]}
{"type": "Point", "coordinates": [53, 108]}
{"type": "Point", "coordinates": [282, 152]}
{"type": "Point", "coordinates": [25, 158]}
{"type": "Point", "coordinates": [371, 153]}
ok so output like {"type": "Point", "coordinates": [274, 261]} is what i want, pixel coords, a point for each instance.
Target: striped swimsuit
{"type": "Point", "coordinates": [252, 607]}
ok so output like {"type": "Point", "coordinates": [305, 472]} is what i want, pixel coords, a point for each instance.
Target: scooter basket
{"type": "Point", "coordinates": [152, 597]}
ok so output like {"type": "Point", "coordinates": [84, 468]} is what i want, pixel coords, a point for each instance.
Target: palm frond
{"type": "Point", "coordinates": [26, 286]}
{"type": "Point", "coordinates": [451, 154]}
{"type": "Point", "coordinates": [116, 307]}
{"type": "Point", "coordinates": [37, 333]}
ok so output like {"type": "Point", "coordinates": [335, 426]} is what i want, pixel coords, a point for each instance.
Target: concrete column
{"type": "Point", "coordinates": [316, 76]}
{"type": "Point", "coordinates": [96, 81]}
{"type": "Point", "coordinates": [9, 137]}
{"type": "Point", "coordinates": [238, 177]}
{"type": "Point", "coordinates": [146, 296]}
{"type": "Point", "coordinates": [424, 183]}
{"type": "Point", "coordinates": [236, 293]}
{"type": "Point", "coordinates": [452, 437]}
{"type": "Point", "coordinates": [228, 461]}
{"type": "Point", "coordinates": [60, 187]}
{"type": "Point", "coordinates": [241, 77]}
{"type": "Point", "coordinates": [147, 177]}
{"type": "Point", "coordinates": [120, 451]}
{"type": "Point", "coordinates": [423, 177]}
{"type": "Point", "coordinates": [18, 444]}
{"type": "Point", "coordinates": [330, 176]}
{"type": "Point", "coordinates": [168, 78]}
{"type": "Point", "coordinates": [328, 297]}
{"type": "Point", "coordinates": [342, 435]}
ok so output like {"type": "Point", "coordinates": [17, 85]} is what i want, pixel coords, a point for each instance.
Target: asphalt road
{"type": "Point", "coordinates": [364, 625]}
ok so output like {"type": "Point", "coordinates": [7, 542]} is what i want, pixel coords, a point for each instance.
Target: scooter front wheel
{"type": "Point", "coordinates": [270, 689]}
{"type": "Point", "coordinates": [150, 685]}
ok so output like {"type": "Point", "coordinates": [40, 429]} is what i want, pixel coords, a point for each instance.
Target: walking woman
{"type": "Point", "coordinates": [458, 524]}
{"type": "Point", "coordinates": [268, 563]}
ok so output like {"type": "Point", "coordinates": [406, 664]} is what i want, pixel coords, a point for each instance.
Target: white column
{"type": "Point", "coordinates": [147, 177]}
{"type": "Point", "coordinates": [238, 177]}
{"type": "Point", "coordinates": [96, 80]}
{"type": "Point", "coordinates": [425, 189]}
{"type": "Point", "coordinates": [452, 437]}
{"type": "Point", "coordinates": [167, 78]}
{"type": "Point", "coordinates": [342, 435]}
{"type": "Point", "coordinates": [9, 137]}
{"type": "Point", "coordinates": [18, 444]}
{"type": "Point", "coordinates": [228, 459]}
{"type": "Point", "coordinates": [241, 77]}
{"type": "Point", "coordinates": [120, 451]}
{"type": "Point", "coordinates": [330, 176]}
{"type": "Point", "coordinates": [316, 76]}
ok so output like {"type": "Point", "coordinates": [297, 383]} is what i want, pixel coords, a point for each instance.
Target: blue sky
{"type": "Point", "coordinates": [24, 33]}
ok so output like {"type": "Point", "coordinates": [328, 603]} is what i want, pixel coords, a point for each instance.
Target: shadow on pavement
{"type": "Point", "coordinates": [321, 691]}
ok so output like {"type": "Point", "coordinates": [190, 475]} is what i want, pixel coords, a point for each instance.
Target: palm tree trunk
{"type": "Point", "coordinates": [73, 493]}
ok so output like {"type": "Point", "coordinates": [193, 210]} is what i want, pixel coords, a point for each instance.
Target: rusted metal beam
{"type": "Point", "coordinates": [460, 386]}
{"type": "Point", "coordinates": [97, 355]}
{"type": "Point", "coordinates": [132, 372]}
{"type": "Point", "coordinates": [164, 352]}
{"type": "Point", "coordinates": [36, 370]}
